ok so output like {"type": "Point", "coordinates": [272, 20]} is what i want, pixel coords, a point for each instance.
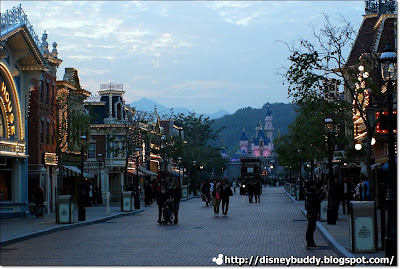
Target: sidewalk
{"type": "Point", "coordinates": [338, 235]}
{"type": "Point", "coordinates": [19, 229]}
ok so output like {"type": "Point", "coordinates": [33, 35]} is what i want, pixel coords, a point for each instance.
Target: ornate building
{"type": "Point", "coordinates": [261, 145]}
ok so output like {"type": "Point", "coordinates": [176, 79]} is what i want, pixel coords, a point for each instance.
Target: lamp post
{"type": "Point", "coordinates": [179, 167]}
{"type": "Point", "coordinates": [137, 150]}
{"type": "Point", "coordinates": [81, 209]}
{"type": "Point", "coordinates": [99, 155]}
{"type": "Point", "coordinates": [331, 216]}
{"type": "Point", "coordinates": [389, 74]}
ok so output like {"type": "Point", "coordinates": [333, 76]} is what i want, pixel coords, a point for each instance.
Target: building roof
{"type": "Point", "coordinates": [375, 33]}
{"type": "Point", "coordinates": [244, 137]}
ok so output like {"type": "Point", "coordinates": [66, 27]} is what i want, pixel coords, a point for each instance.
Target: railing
{"type": "Point", "coordinates": [14, 18]}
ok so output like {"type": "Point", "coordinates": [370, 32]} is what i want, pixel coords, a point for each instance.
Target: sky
{"type": "Point", "coordinates": [201, 55]}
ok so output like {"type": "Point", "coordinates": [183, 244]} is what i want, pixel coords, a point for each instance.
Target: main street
{"type": "Point", "coordinates": [275, 227]}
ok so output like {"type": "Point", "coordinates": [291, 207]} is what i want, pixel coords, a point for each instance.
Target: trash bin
{"type": "Point", "coordinates": [292, 190]}
{"type": "Point", "coordinates": [65, 209]}
{"type": "Point", "coordinates": [363, 227]}
{"type": "Point", "coordinates": [323, 215]}
{"type": "Point", "coordinates": [126, 201]}
{"type": "Point", "coordinates": [277, 184]}
{"type": "Point", "coordinates": [297, 192]}
{"type": "Point", "coordinates": [185, 191]}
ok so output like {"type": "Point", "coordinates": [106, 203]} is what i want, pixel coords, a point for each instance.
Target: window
{"type": "Point", "coordinates": [119, 111]}
{"type": "Point", "coordinates": [92, 150]}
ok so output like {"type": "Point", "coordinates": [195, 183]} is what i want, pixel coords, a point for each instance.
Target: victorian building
{"type": "Point", "coordinates": [22, 65]}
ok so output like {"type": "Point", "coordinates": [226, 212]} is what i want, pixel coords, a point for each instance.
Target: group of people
{"type": "Point", "coordinates": [254, 189]}
{"type": "Point", "coordinates": [169, 195]}
{"type": "Point", "coordinates": [343, 193]}
{"type": "Point", "coordinates": [215, 193]}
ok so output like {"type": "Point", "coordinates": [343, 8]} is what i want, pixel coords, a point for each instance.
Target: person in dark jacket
{"type": "Point", "coordinates": [38, 196]}
{"type": "Point", "coordinates": [225, 193]}
{"type": "Point", "coordinates": [162, 197]}
{"type": "Point", "coordinates": [175, 193]}
{"type": "Point", "coordinates": [250, 190]}
{"type": "Point", "coordinates": [314, 199]}
{"type": "Point", "coordinates": [257, 190]}
{"type": "Point", "coordinates": [205, 190]}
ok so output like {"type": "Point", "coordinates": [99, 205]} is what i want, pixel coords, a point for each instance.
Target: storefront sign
{"type": "Point", "coordinates": [50, 159]}
{"type": "Point", "coordinates": [9, 103]}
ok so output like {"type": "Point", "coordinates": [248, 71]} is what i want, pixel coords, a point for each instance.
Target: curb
{"type": "Point", "coordinates": [293, 199]}
{"type": "Point", "coordinates": [63, 227]}
{"type": "Point", "coordinates": [338, 248]}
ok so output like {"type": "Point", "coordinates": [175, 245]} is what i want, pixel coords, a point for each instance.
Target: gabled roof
{"type": "Point", "coordinates": [375, 33]}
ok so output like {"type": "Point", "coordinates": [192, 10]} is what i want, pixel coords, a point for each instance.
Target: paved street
{"type": "Point", "coordinates": [276, 228]}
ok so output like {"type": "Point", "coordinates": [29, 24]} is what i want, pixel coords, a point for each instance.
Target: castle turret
{"type": "Point", "coordinates": [269, 128]}
{"type": "Point", "coordinates": [244, 142]}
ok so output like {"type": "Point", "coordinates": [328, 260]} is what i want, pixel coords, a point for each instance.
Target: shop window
{"type": "Point", "coordinates": [5, 179]}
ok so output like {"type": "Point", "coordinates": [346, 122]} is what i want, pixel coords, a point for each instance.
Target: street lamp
{"type": "Point", "coordinates": [81, 209]}
{"type": "Point", "coordinates": [179, 167]}
{"type": "Point", "coordinates": [99, 155]}
{"type": "Point", "coordinates": [389, 74]}
{"type": "Point", "coordinates": [331, 216]}
{"type": "Point", "coordinates": [195, 179]}
{"type": "Point", "coordinates": [137, 150]}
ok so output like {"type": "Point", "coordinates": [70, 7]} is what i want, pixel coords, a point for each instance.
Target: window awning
{"type": "Point", "coordinates": [75, 171]}
{"type": "Point", "coordinates": [133, 172]}
{"type": "Point", "coordinates": [147, 172]}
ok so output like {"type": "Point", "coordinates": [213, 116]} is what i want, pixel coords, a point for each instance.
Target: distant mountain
{"type": "Point", "coordinates": [247, 118]}
{"type": "Point", "coordinates": [148, 105]}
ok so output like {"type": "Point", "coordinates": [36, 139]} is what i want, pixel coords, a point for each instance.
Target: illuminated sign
{"type": "Point", "coordinates": [50, 159]}
{"type": "Point", "coordinates": [382, 127]}
{"type": "Point", "coordinates": [9, 103]}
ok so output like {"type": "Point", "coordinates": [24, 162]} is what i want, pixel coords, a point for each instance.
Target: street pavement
{"type": "Point", "coordinates": [275, 227]}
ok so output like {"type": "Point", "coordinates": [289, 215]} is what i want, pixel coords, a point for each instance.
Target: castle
{"type": "Point", "coordinates": [261, 144]}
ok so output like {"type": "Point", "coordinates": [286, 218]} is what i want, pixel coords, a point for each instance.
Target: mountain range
{"type": "Point", "coordinates": [148, 105]}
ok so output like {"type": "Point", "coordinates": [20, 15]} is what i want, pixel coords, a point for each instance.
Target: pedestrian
{"type": "Point", "coordinates": [176, 195]}
{"type": "Point", "coordinates": [205, 191]}
{"type": "Point", "coordinates": [38, 197]}
{"type": "Point", "coordinates": [314, 199]}
{"type": "Point", "coordinates": [257, 191]}
{"type": "Point", "coordinates": [162, 197]}
{"type": "Point", "coordinates": [346, 187]}
{"type": "Point", "coordinates": [225, 193]}
{"type": "Point", "coordinates": [147, 193]}
{"type": "Point", "coordinates": [250, 190]}
{"type": "Point", "coordinates": [234, 185]}
{"type": "Point", "coordinates": [337, 195]}
{"type": "Point", "coordinates": [365, 192]}
{"type": "Point", "coordinates": [91, 202]}
{"type": "Point", "coordinates": [216, 193]}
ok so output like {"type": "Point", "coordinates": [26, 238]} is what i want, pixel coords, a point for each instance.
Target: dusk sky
{"type": "Point", "coordinates": [202, 55]}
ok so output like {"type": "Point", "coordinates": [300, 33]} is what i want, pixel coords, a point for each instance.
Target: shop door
{"type": "Point", "coordinates": [115, 187]}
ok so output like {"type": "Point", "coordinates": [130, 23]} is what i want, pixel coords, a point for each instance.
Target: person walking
{"type": "Point", "coordinates": [205, 190]}
{"type": "Point", "coordinates": [250, 190]}
{"type": "Point", "coordinates": [147, 193]}
{"type": "Point", "coordinates": [216, 198]}
{"type": "Point", "coordinates": [346, 187]}
{"type": "Point", "coordinates": [176, 195]}
{"type": "Point", "coordinates": [225, 193]}
{"type": "Point", "coordinates": [162, 197]}
{"type": "Point", "coordinates": [234, 185]}
{"type": "Point", "coordinates": [314, 199]}
{"type": "Point", "coordinates": [38, 197]}
{"type": "Point", "coordinates": [257, 191]}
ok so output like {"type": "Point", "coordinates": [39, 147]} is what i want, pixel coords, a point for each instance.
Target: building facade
{"type": "Point", "coordinates": [21, 62]}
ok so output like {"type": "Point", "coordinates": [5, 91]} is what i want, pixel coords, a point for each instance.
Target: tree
{"type": "Point", "coordinates": [312, 64]}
